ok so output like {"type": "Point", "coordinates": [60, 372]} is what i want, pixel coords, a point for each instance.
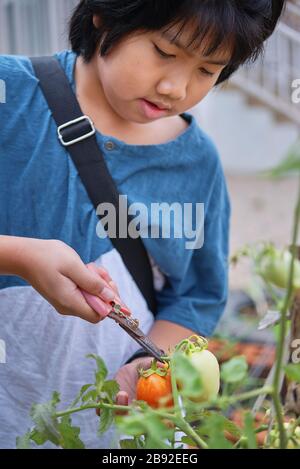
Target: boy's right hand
{"type": "Point", "coordinates": [57, 272]}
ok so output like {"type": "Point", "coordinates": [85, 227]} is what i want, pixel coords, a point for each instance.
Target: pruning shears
{"type": "Point", "coordinates": [131, 326]}
{"type": "Point", "coordinates": [121, 316]}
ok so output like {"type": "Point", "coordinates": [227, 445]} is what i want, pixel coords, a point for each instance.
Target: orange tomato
{"type": "Point", "coordinates": [153, 388]}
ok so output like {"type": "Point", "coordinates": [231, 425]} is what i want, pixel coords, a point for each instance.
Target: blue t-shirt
{"type": "Point", "coordinates": [42, 196]}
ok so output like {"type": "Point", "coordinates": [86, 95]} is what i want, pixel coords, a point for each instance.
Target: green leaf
{"type": "Point", "coordinates": [111, 388]}
{"type": "Point", "coordinates": [69, 435]}
{"type": "Point", "coordinates": [289, 166]}
{"type": "Point", "coordinates": [23, 442]}
{"type": "Point", "coordinates": [101, 372]}
{"type": "Point", "coordinates": [106, 420]}
{"type": "Point", "coordinates": [228, 425]}
{"type": "Point", "coordinates": [235, 370]}
{"type": "Point", "coordinates": [46, 423]}
{"type": "Point", "coordinates": [249, 431]}
{"type": "Point", "coordinates": [155, 431]}
{"type": "Point", "coordinates": [214, 429]}
{"type": "Point", "coordinates": [132, 425]}
{"type": "Point", "coordinates": [38, 438]}
{"type": "Point", "coordinates": [90, 396]}
{"type": "Point", "coordinates": [80, 394]}
{"type": "Point", "coordinates": [129, 444]}
{"type": "Point", "coordinates": [187, 375]}
{"type": "Point", "coordinates": [292, 371]}
{"type": "Point", "coordinates": [187, 440]}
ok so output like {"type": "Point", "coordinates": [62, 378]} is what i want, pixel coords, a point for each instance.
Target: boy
{"type": "Point", "coordinates": [136, 68]}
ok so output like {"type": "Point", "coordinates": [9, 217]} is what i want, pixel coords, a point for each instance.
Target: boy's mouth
{"type": "Point", "coordinates": [151, 110]}
{"type": "Point", "coordinates": [159, 106]}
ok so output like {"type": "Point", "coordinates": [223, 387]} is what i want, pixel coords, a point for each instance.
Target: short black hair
{"type": "Point", "coordinates": [243, 24]}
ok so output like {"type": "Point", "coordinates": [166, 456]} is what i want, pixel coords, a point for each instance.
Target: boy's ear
{"type": "Point", "coordinates": [96, 21]}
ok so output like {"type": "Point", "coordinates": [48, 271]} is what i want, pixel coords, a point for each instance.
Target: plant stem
{"type": "Point", "coordinates": [268, 390]}
{"type": "Point", "coordinates": [283, 330]}
{"type": "Point", "coordinates": [91, 406]}
{"type": "Point", "coordinates": [180, 421]}
{"type": "Point", "coordinates": [189, 431]}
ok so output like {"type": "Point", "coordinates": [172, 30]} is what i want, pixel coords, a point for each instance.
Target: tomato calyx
{"type": "Point", "coordinates": [195, 343]}
{"type": "Point", "coordinates": [154, 369]}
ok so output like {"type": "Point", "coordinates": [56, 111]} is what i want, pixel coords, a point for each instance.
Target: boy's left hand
{"type": "Point", "coordinates": [127, 377]}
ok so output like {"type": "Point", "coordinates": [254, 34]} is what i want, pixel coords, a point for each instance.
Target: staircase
{"type": "Point", "coordinates": [250, 137]}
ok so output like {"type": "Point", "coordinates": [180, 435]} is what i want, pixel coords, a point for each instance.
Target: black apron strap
{"type": "Point", "coordinates": [76, 132]}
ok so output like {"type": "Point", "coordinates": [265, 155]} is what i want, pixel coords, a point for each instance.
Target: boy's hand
{"type": "Point", "coordinates": [127, 377]}
{"type": "Point", "coordinates": [56, 271]}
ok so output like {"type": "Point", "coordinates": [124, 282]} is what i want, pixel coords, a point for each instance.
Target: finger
{"type": "Point", "coordinates": [97, 304]}
{"type": "Point", "coordinates": [110, 284]}
{"type": "Point", "coordinates": [113, 285]}
{"type": "Point", "coordinates": [90, 281]}
{"type": "Point", "coordinates": [77, 306]}
{"type": "Point", "coordinates": [104, 274]}
{"type": "Point", "coordinates": [122, 399]}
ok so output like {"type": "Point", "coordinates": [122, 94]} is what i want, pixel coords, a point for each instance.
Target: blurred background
{"type": "Point", "coordinates": [252, 120]}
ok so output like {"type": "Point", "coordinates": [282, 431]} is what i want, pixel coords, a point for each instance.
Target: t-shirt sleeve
{"type": "Point", "coordinates": [197, 297]}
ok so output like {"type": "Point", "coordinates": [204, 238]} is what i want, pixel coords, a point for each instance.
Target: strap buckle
{"type": "Point", "coordinates": [81, 137]}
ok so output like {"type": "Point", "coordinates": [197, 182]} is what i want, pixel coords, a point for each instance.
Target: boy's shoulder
{"type": "Point", "coordinates": [202, 149]}
{"type": "Point", "coordinates": [13, 66]}
{"type": "Point", "coordinates": [19, 68]}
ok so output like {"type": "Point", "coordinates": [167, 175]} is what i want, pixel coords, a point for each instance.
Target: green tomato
{"type": "Point", "coordinates": [274, 268]}
{"type": "Point", "coordinates": [274, 436]}
{"type": "Point", "coordinates": [207, 365]}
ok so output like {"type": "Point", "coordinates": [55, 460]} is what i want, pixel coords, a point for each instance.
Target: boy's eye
{"type": "Point", "coordinates": [204, 71]}
{"type": "Point", "coordinates": [162, 53]}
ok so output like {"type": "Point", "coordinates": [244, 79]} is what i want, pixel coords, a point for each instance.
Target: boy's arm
{"type": "Point", "coordinates": [11, 255]}
{"type": "Point", "coordinates": [57, 272]}
{"type": "Point", "coordinates": [167, 334]}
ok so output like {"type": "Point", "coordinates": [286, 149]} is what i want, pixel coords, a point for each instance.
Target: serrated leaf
{"type": "Point", "coordinates": [155, 431]}
{"type": "Point", "coordinates": [80, 394]}
{"type": "Point", "coordinates": [214, 429]}
{"type": "Point", "coordinates": [231, 427]}
{"type": "Point", "coordinates": [101, 372]}
{"type": "Point", "coordinates": [90, 396]}
{"type": "Point", "coordinates": [129, 444]}
{"type": "Point", "coordinates": [132, 425]}
{"type": "Point", "coordinates": [38, 438]}
{"type": "Point", "coordinates": [235, 370]}
{"type": "Point", "coordinates": [106, 420]}
{"type": "Point", "coordinates": [101, 367]}
{"type": "Point", "coordinates": [69, 435]}
{"type": "Point", "coordinates": [228, 425]}
{"type": "Point", "coordinates": [23, 442]}
{"type": "Point", "coordinates": [292, 371]}
{"type": "Point", "coordinates": [46, 423]}
{"type": "Point", "coordinates": [111, 388]}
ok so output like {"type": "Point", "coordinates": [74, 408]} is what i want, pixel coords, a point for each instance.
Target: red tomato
{"type": "Point", "coordinates": [153, 388]}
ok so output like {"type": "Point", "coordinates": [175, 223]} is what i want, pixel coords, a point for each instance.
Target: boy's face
{"type": "Point", "coordinates": [134, 71]}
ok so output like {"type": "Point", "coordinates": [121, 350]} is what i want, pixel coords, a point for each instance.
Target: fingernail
{"type": "Point", "coordinates": [107, 294]}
